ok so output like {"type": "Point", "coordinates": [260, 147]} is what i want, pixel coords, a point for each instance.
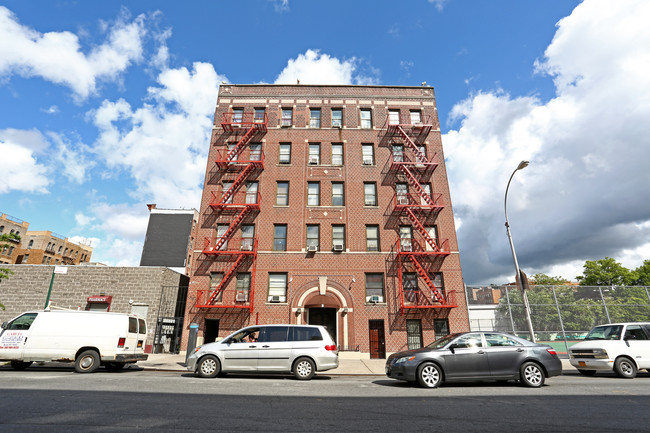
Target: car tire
{"type": "Point", "coordinates": [20, 365]}
{"type": "Point", "coordinates": [87, 362]}
{"type": "Point", "coordinates": [114, 366]}
{"type": "Point", "coordinates": [587, 372]}
{"type": "Point", "coordinates": [625, 368]}
{"type": "Point", "coordinates": [209, 367]}
{"type": "Point", "coordinates": [429, 375]}
{"type": "Point", "coordinates": [531, 375]}
{"type": "Point", "coordinates": [304, 369]}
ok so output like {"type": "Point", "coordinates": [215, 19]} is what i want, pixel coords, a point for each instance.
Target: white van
{"type": "Point", "coordinates": [88, 338]}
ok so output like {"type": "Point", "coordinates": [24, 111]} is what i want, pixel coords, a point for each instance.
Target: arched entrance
{"type": "Point", "coordinates": [321, 310]}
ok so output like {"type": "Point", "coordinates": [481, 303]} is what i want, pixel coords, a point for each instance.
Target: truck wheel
{"type": "Point", "coordinates": [87, 362]}
{"type": "Point", "coordinates": [20, 365]}
{"type": "Point", "coordinates": [209, 366]}
{"type": "Point", "coordinates": [115, 366]}
{"type": "Point", "coordinates": [625, 368]}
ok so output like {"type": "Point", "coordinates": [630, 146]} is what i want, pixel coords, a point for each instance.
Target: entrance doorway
{"type": "Point", "coordinates": [211, 330]}
{"type": "Point", "coordinates": [325, 317]}
{"type": "Point", "coordinates": [377, 340]}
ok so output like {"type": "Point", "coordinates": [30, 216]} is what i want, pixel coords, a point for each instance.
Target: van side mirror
{"type": "Point", "coordinates": [4, 325]}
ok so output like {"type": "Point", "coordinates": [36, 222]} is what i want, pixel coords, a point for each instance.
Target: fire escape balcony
{"type": "Point", "coordinates": [411, 127]}
{"type": "Point", "coordinates": [424, 298]}
{"type": "Point", "coordinates": [236, 201]}
{"type": "Point", "coordinates": [244, 159]}
{"type": "Point", "coordinates": [235, 121]}
{"type": "Point", "coordinates": [416, 202]}
{"type": "Point", "coordinates": [413, 247]}
{"type": "Point", "coordinates": [230, 247]}
{"type": "Point", "coordinates": [225, 299]}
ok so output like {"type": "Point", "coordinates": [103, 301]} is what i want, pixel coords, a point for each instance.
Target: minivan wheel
{"type": "Point", "coordinates": [531, 375]}
{"type": "Point", "coordinates": [304, 369]}
{"type": "Point", "coordinates": [429, 375]}
{"type": "Point", "coordinates": [87, 362]}
{"type": "Point", "coordinates": [209, 367]}
{"type": "Point", "coordinates": [20, 365]}
{"type": "Point", "coordinates": [625, 368]}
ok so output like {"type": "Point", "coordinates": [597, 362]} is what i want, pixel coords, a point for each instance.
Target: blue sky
{"type": "Point", "coordinates": [107, 106]}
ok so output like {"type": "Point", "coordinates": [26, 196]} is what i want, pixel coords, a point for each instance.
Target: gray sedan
{"type": "Point", "coordinates": [476, 356]}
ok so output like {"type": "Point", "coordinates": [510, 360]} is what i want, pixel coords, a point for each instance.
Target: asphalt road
{"type": "Point", "coordinates": [54, 399]}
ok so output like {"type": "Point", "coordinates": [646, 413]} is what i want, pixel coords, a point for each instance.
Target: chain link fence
{"type": "Point", "coordinates": [561, 315]}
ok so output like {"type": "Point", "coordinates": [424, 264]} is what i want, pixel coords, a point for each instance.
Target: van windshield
{"type": "Point", "coordinates": [607, 332]}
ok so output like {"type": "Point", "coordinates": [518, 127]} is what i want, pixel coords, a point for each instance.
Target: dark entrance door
{"type": "Point", "coordinates": [325, 317]}
{"type": "Point", "coordinates": [211, 330]}
{"type": "Point", "coordinates": [377, 341]}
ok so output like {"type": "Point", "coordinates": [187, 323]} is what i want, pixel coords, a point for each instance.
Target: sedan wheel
{"type": "Point", "coordinates": [625, 368]}
{"type": "Point", "coordinates": [531, 375]}
{"type": "Point", "coordinates": [209, 366]}
{"type": "Point", "coordinates": [429, 375]}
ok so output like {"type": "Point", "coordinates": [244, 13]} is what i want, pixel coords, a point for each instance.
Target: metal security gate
{"type": "Point", "coordinates": [414, 333]}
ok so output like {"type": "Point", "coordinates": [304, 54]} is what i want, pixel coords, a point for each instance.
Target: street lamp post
{"type": "Point", "coordinates": [518, 277]}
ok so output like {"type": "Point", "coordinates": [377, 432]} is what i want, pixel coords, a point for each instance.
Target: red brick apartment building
{"type": "Point", "coordinates": [328, 205]}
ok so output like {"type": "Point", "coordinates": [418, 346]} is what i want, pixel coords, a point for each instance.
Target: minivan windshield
{"type": "Point", "coordinates": [607, 332]}
{"type": "Point", "coordinates": [440, 342]}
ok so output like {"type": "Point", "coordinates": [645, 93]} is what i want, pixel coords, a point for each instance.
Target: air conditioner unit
{"type": "Point", "coordinates": [337, 246]}
{"type": "Point", "coordinates": [274, 298]}
{"type": "Point", "coordinates": [367, 161]}
{"type": "Point", "coordinates": [407, 247]}
{"type": "Point", "coordinates": [247, 247]}
{"type": "Point", "coordinates": [313, 160]}
{"type": "Point", "coordinates": [312, 248]}
{"type": "Point", "coordinates": [241, 297]}
{"type": "Point", "coordinates": [373, 299]}
{"type": "Point", "coordinates": [403, 200]}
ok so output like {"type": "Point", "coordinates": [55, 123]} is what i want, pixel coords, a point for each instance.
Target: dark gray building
{"type": "Point", "coordinates": [170, 238]}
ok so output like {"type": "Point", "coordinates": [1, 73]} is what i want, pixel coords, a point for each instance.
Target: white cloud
{"type": "Point", "coordinates": [162, 144]}
{"type": "Point", "coordinates": [439, 4]}
{"type": "Point", "coordinates": [583, 195]}
{"type": "Point", "coordinates": [20, 169]}
{"type": "Point", "coordinates": [58, 57]}
{"type": "Point", "coordinates": [316, 68]}
{"type": "Point", "coordinates": [83, 220]}
{"type": "Point", "coordinates": [72, 157]}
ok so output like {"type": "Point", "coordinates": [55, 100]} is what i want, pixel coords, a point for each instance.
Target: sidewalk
{"type": "Point", "coordinates": [347, 366]}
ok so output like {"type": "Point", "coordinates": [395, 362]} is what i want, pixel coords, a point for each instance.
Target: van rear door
{"type": "Point", "coordinates": [131, 343]}
{"type": "Point", "coordinates": [15, 335]}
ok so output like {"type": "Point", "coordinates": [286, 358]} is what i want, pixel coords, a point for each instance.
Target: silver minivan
{"type": "Point", "coordinates": [298, 349]}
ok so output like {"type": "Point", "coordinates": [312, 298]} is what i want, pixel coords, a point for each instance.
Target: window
{"type": "Point", "coordinates": [260, 115]}
{"type": "Point", "coordinates": [338, 197]}
{"type": "Point", "coordinates": [337, 118]}
{"type": "Point", "coordinates": [441, 327]}
{"type": "Point", "coordinates": [402, 193]}
{"type": "Point", "coordinates": [313, 193]}
{"type": "Point", "coordinates": [285, 153]}
{"type": "Point", "coordinates": [338, 237]}
{"type": "Point", "coordinates": [337, 154]}
{"type": "Point", "coordinates": [60, 248]}
{"type": "Point", "coordinates": [23, 322]}
{"type": "Point", "coordinates": [280, 237]}
{"type": "Point", "coordinates": [25, 258]}
{"type": "Point", "coordinates": [374, 287]}
{"type": "Point", "coordinates": [314, 118]}
{"type": "Point", "coordinates": [243, 286]}
{"type": "Point", "coordinates": [416, 117]}
{"type": "Point", "coordinates": [247, 237]}
{"type": "Point", "coordinates": [422, 155]}
{"type": "Point", "coordinates": [215, 281]}
{"type": "Point", "coordinates": [251, 192]}
{"type": "Point", "coordinates": [314, 153]}
{"type": "Point", "coordinates": [499, 340]}
{"type": "Point", "coordinates": [438, 282]}
{"type": "Point", "coordinates": [237, 115]}
{"type": "Point", "coordinates": [469, 340]}
{"type": "Point", "coordinates": [410, 286]}
{"type": "Point", "coordinates": [31, 243]}
{"type": "Point", "coordinates": [406, 238]}
{"type": "Point", "coordinates": [366, 118]}
{"type": "Point", "coordinates": [313, 236]}
{"type": "Point", "coordinates": [304, 333]}
{"type": "Point", "coordinates": [368, 154]}
{"type": "Point", "coordinates": [270, 334]}
{"type": "Point", "coordinates": [221, 231]}
{"type": "Point", "coordinates": [372, 238]}
{"type": "Point", "coordinates": [433, 234]}
{"type": "Point", "coordinates": [369, 194]}
{"type": "Point", "coordinates": [282, 195]}
{"type": "Point", "coordinates": [277, 287]}
{"type": "Point", "coordinates": [426, 187]}
{"type": "Point", "coordinates": [393, 117]}
{"type": "Point", "coordinates": [398, 153]}
{"type": "Point", "coordinates": [256, 152]}
{"type": "Point", "coordinates": [225, 187]}
{"type": "Point", "coordinates": [287, 116]}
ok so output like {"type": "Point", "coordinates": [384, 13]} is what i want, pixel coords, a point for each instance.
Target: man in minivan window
{"type": "Point", "coordinates": [252, 337]}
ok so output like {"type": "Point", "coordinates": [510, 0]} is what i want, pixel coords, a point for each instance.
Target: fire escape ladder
{"type": "Point", "coordinates": [421, 229]}
{"type": "Point", "coordinates": [435, 292]}
{"type": "Point", "coordinates": [231, 229]}
{"type": "Point", "coordinates": [237, 183]}
{"type": "Point", "coordinates": [416, 185]}
{"type": "Point", "coordinates": [224, 280]}
{"type": "Point", "coordinates": [241, 144]}
{"type": "Point", "coordinates": [421, 157]}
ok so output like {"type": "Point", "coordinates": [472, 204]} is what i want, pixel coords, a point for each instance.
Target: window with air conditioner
{"type": "Point", "coordinates": [277, 287]}
{"type": "Point", "coordinates": [368, 154]}
{"type": "Point", "coordinates": [337, 118]}
{"type": "Point", "coordinates": [314, 118]}
{"type": "Point", "coordinates": [243, 286]}
{"type": "Point", "coordinates": [287, 117]}
{"type": "Point", "coordinates": [338, 237]}
{"type": "Point", "coordinates": [374, 287]}
{"type": "Point", "coordinates": [314, 153]}
{"type": "Point", "coordinates": [338, 246]}
{"type": "Point", "coordinates": [313, 237]}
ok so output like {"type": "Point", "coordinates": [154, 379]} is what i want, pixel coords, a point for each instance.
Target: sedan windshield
{"type": "Point", "coordinates": [609, 332]}
{"type": "Point", "coordinates": [440, 342]}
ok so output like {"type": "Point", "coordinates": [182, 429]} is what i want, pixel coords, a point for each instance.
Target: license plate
{"type": "Point", "coordinates": [582, 363]}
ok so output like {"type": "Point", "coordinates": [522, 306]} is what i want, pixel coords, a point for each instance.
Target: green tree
{"type": "Point", "coordinates": [545, 280]}
{"type": "Point", "coordinates": [4, 272]}
{"type": "Point", "coordinates": [643, 274]}
{"type": "Point", "coordinates": [606, 272]}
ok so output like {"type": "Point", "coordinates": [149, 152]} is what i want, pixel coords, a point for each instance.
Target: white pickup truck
{"type": "Point", "coordinates": [87, 338]}
{"type": "Point", "coordinates": [621, 347]}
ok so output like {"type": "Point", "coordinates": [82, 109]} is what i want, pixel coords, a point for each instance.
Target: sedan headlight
{"type": "Point", "coordinates": [404, 359]}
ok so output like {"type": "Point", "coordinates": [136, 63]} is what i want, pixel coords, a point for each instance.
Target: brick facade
{"type": "Point", "coordinates": [153, 290]}
{"type": "Point", "coordinates": [326, 281]}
